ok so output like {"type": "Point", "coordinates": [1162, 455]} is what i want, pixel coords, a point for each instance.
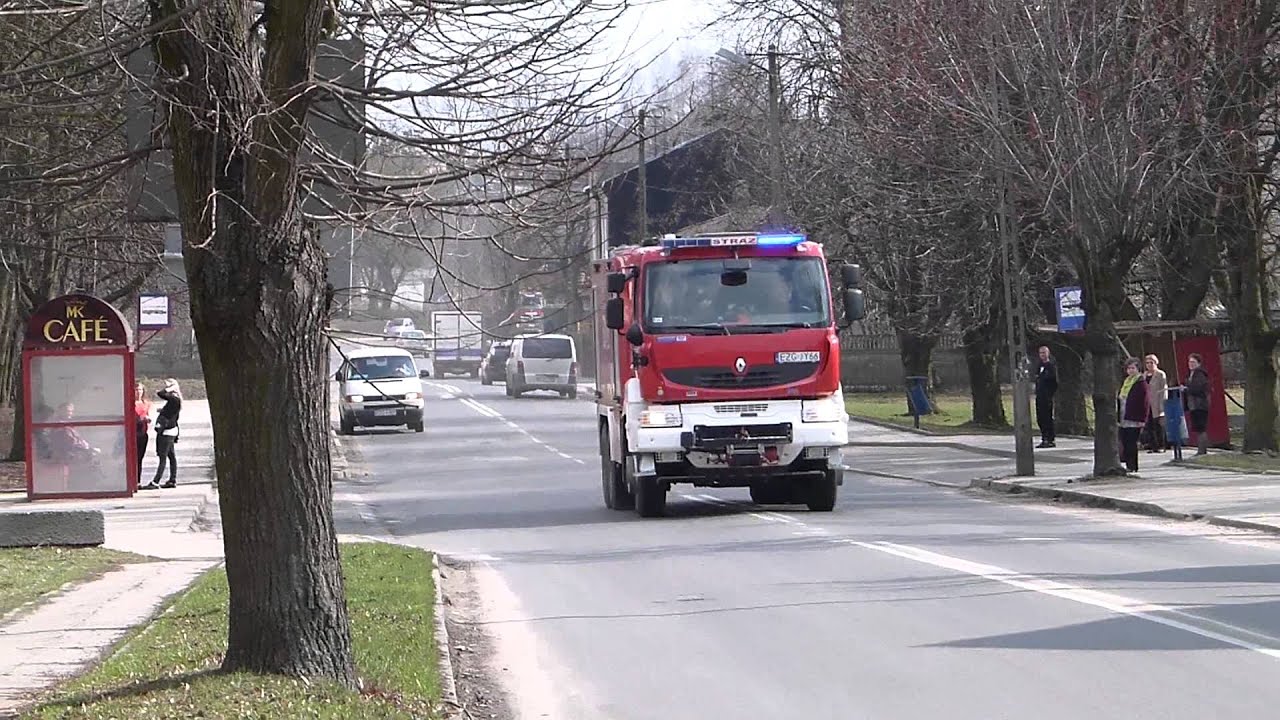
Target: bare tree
{"type": "Point", "coordinates": [488, 92]}
{"type": "Point", "coordinates": [62, 192]}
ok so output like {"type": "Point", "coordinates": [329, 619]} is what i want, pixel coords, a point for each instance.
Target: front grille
{"type": "Point", "coordinates": [381, 398]}
{"type": "Point", "coordinates": [741, 408]}
{"type": "Point", "coordinates": [716, 378]}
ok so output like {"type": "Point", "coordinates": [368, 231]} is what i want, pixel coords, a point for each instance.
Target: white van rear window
{"type": "Point", "coordinates": [548, 348]}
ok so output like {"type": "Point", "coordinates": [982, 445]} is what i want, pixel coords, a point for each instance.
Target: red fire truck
{"type": "Point", "coordinates": [718, 365]}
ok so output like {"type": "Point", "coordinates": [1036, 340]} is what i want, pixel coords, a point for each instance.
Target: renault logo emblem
{"type": "Point", "coordinates": [740, 365]}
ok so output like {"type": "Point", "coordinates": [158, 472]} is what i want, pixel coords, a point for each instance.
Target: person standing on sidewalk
{"type": "Point", "coordinates": [1158, 391]}
{"type": "Point", "coordinates": [1132, 409]}
{"type": "Point", "coordinates": [142, 422]}
{"type": "Point", "coordinates": [167, 434]}
{"type": "Point", "coordinates": [1196, 400]}
{"type": "Point", "coordinates": [1046, 388]}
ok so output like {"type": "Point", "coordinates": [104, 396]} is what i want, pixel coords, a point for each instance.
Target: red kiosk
{"type": "Point", "coordinates": [77, 381]}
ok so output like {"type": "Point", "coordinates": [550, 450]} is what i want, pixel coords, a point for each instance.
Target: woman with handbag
{"type": "Point", "coordinates": [167, 434]}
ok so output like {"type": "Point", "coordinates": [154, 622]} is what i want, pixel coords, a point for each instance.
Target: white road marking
{"type": "Point", "coordinates": [490, 412]}
{"type": "Point", "coordinates": [1151, 612]}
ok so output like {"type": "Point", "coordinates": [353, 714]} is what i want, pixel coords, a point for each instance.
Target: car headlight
{"type": "Point", "coordinates": [658, 417]}
{"type": "Point", "coordinates": [827, 409]}
{"type": "Point", "coordinates": [412, 396]}
{"type": "Point", "coordinates": [355, 398]}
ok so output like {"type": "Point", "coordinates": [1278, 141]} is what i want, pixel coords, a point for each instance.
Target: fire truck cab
{"type": "Point", "coordinates": [718, 365]}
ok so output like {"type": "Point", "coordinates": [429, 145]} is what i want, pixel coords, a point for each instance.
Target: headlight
{"type": "Point", "coordinates": [412, 396]}
{"type": "Point", "coordinates": [828, 409]}
{"type": "Point", "coordinates": [657, 417]}
{"type": "Point", "coordinates": [355, 398]}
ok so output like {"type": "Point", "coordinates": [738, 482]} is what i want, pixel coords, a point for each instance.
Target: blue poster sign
{"type": "Point", "coordinates": [1070, 310]}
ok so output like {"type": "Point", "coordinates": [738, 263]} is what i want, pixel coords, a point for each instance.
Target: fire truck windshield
{"type": "Point", "coordinates": [711, 296]}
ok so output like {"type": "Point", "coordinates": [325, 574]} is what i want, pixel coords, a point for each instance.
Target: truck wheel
{"type": "Point", "coordinates": [417, 427]}
{"type": "Point", "coordinates": [768, 493]}
{"type": "Point", "coordinates": [485, 379]}
{"type": "Point", "coordinates": [651, 497]}
{"type": "Point", "coordinates": [613, 485]}
{"type": "Point", "coordinates": [822, 493]}
{"type": "Point", "coordinates": [346, 426]}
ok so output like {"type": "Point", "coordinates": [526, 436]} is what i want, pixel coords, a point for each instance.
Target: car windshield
{"type": "Point", "coordinates": [389, 367]}
{"type": "Point", "coordinates": [705, 295]}
{"type": "Point", "coordinates": [548, 348]}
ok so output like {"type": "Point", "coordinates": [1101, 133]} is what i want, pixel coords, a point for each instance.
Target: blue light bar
{"type": "Point", "coordinates": [672, 243]}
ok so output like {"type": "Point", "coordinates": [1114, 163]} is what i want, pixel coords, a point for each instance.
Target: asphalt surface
{"type": "Point", "coordinates": [909, 601]}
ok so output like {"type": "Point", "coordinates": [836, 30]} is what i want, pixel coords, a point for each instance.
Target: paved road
{"type": "Point", "coordinates": [909, 601]}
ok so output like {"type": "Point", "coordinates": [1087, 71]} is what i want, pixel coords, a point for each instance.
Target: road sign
{"type": "Point", "coordinates": [1070, 310]}
{"type": "Point", "coordinates": [153, 311]}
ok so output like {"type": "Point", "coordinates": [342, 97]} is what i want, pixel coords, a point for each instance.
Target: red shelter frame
{"type": "Point", "coordinates": [101, 331]}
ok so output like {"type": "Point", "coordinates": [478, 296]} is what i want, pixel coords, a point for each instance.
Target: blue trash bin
{"type": "Point", "coordinates": [918, 397]}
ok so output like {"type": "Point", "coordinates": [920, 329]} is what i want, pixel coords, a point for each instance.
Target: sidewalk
{"type": "Point", "coordinates": [69, 630]}
{"type": "Point", "coordinates": [1162, 487]}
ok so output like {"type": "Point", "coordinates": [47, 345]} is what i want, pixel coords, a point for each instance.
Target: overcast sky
{"type": "Point", "coordinates": [666, 31]}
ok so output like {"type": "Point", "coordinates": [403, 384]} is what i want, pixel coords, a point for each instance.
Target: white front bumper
{"type": "Point", "coordinates": [668, 440]}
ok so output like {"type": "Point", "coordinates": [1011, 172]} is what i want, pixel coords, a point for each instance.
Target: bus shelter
{"type": "Point", "coordinates": [77, 375]}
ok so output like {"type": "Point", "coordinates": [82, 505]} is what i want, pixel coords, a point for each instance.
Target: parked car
{"type": "Point", "coordinates": [494, 365]}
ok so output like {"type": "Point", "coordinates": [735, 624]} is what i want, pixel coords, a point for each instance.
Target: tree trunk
{"type": "Point", "coordinates": [1069, 415]}
{"type": "Point", "coordinates": [1104, 349]}
{"type": "Point", "coordinates": [265, 367]}
{"type": "Point", "coordinates": [1259, 391]}
{"type": "Point", "coordinates": [259, 304]}
{"type": "Point", "coordinates": [916, 352]}
{"type": "Point", "coordinates": [982, 356]}
{"type": "Point", "coordinates": [18, 450]}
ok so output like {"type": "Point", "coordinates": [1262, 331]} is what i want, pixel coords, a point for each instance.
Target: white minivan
{"type": "Point", "coordinates": [542, 362]}
{"type": "Point", "coordinates": [379, 387]}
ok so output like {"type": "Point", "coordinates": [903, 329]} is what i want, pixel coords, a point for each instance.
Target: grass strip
{"type": "Point", "coordinates": [29, 572]}
{"type": "Point", "coordinates": [170, 669]}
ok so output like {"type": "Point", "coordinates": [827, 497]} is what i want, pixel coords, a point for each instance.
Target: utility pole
{"type": "Point", "coordinates": [642, 187]}
{"type": "Point", "coordinates": [775, 132]}
{"type": "Point", "coordinates": [1014, 308]}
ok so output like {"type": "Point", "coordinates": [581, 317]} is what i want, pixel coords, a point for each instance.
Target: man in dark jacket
{"type": "Point", "coordinates": [1046, 388]}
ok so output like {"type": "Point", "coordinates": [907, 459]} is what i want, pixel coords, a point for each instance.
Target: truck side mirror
{"type": "Point", "coordinates": [855, 306]}
{"type": "Point", "coordinates": [338, 376]}
{"type": "Point", "coordinates": [613, 318]}
{"type": "Point", "coordinates": [851, 275]}
{"type": "Point", "coordinates": [635, 335]}
{"type": "Point", "coordinates": [617, 282]}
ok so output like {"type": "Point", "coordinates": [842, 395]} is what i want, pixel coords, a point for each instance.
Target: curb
{"type": "Point", "coordinates": [992, 452]}
{"type": "Point", "coordinates": [444, 647]}
{"type": "Point", "coordinates": [193, 524]}
{"type": "Point", "coordinates": [1132, 507]}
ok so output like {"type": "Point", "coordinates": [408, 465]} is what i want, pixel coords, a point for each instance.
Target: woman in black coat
{"type": "Point", "coordinates": [167, 434]}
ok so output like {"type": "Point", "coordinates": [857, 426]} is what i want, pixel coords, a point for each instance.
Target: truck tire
{"type": "Point", "coordinates": [346, 426]}
{"type": "Point", "coordinates": [612, 484]}
{"type": "Point", "coordinates": [770, 493]}
{"type": "Point", "coordinates": [651, 497]}
{"type": "Point", "coordinates": [822, 493]}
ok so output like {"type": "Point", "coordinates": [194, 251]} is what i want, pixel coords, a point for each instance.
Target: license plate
{"type": "Point", "coordinates": [549, 378]}
{"type": "Point", "coordinates": [384, 413]}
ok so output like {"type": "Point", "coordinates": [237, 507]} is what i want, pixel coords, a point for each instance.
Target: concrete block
{"type": "Point", "coordinates": [51, 527]}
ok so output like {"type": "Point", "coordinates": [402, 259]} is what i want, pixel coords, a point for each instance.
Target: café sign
{"type": "Point", "coordinates": [77, 322]}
